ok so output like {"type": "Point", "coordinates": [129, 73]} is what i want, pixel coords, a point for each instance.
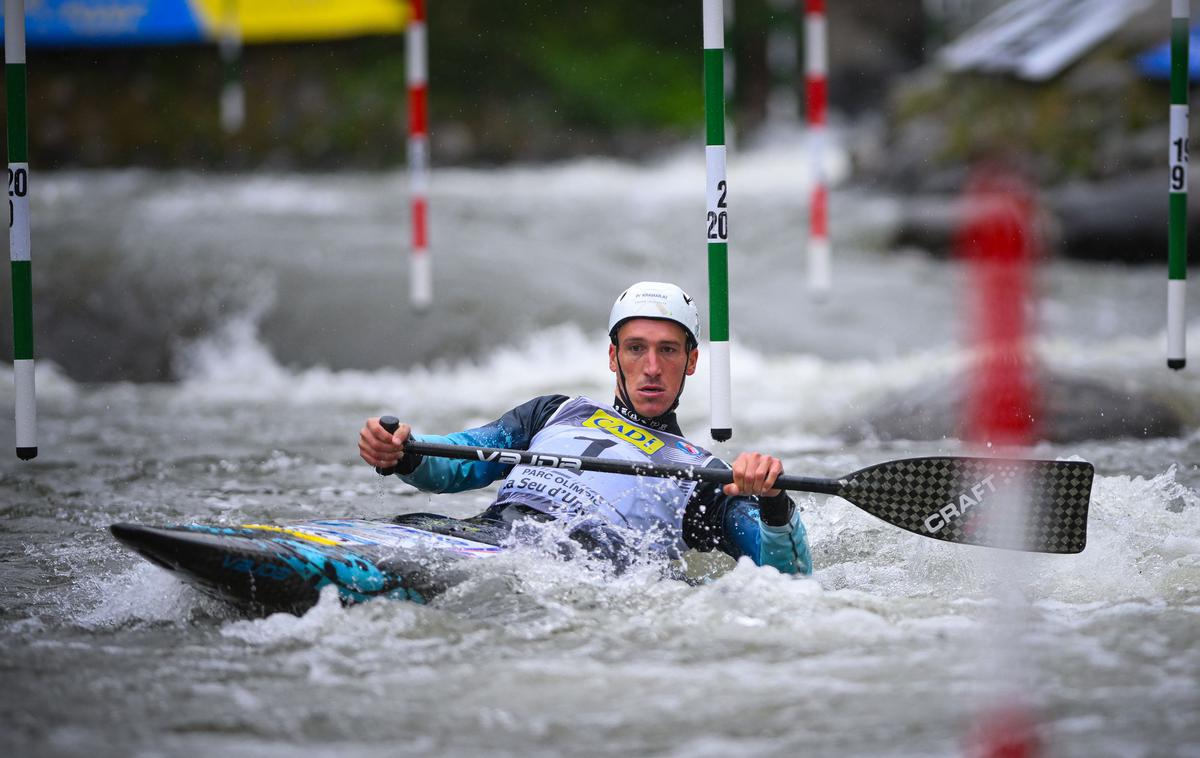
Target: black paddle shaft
{"type": "Point", "coordinates": [1031, 505]}
{"type": "Point", "coordinates": [505, 456]}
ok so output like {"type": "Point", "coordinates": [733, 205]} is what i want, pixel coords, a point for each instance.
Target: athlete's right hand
{"type": "Point", "coordinates": [379, 447]}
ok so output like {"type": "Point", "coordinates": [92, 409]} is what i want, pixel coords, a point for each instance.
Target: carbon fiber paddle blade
{"type": "Point", "coordinates": [1037, 506]}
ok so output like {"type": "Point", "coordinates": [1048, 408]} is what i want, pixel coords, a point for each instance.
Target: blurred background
{"type": "Point", "coordinates": [540, 80]}
{"type": "Point", "coordinates": [139, 85]}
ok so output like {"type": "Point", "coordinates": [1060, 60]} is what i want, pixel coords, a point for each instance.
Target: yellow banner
{"type": "Point", "coordinates": [296, 20]}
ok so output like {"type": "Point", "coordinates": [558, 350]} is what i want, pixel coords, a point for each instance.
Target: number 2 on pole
{"type": "Point", "coordinates": [718, 222]}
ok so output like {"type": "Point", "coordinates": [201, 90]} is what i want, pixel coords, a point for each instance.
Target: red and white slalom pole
{"type": "Point", "coordinates": [816, 65]}
{"type": "Point", "coordinates": [999, 243]}
{"type": "Point", "coordinates": [418, 154]}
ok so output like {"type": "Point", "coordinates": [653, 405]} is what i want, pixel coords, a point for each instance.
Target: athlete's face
{"type": "Point", "coordinates": [654, 357]}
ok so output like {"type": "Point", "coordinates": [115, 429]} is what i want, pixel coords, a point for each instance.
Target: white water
{"type": "Point", "coordinates": [892, 648]}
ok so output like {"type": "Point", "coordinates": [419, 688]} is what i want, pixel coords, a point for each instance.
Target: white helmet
{"type": "Point", "coordinates": [657, 300]}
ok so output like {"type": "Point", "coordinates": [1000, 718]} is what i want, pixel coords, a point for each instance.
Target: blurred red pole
{"type": "Point", "coordinates": [998, 243]}
{"type": "Point", "coordinates": [1006, 731]}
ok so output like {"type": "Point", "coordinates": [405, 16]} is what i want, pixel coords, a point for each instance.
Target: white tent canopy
{"type": "Point", "coordinates": [1036, 39]}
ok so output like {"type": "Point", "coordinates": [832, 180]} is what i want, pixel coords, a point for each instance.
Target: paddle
{"type": "Point", "coordinates": [970, 501]}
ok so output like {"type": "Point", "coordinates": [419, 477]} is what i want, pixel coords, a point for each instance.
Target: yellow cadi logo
{"type": "Point", "coordinates": [635, 435]}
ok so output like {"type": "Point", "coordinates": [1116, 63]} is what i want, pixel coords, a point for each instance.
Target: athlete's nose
{"type": "Point", "coordinates": [651, 367]}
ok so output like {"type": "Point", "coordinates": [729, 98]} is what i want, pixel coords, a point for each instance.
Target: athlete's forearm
{"type": "Point", "coordinates": [769, 532]}
{"type": "Point", "coordinates": [442, 475]}
{"type": "Point", "coordinates": [785, 547]}
{"type": "Point", "coordinates": [514, 429]}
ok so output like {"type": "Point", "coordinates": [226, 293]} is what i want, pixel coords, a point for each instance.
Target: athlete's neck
{"type": "Point", "coordinates": [663, 423]}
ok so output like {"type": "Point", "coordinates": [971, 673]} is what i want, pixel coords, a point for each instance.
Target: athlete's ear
{"type": "Point", "coordinates": [612, 357]}
{"type": "Point", "coordinates": [692, 358]}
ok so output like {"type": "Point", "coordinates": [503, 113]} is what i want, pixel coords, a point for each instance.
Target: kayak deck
{"type": "Point", "coordinates": [282, 567]}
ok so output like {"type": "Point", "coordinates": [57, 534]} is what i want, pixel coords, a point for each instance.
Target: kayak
{"type": "Point", "coordinates": [267, 568]}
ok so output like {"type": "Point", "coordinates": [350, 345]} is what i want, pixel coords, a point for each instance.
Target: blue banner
{"type": "Point", "coordinates": [99, 23]}
{"type": "Point", "coordinates": [1156, 62]}
{"type": "Point", "coordinates": [93, 23]}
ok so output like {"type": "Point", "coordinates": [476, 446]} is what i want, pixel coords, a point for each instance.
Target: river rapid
{"type": "Point", "coordinates": [210, 345]}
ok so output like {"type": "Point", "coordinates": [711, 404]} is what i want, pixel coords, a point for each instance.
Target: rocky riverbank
{"type": "Point", "coordinates": [1092, 141]}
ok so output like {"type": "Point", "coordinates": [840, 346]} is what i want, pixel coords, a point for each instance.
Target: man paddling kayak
{"type": "Point", "coordinates": [654, 331]}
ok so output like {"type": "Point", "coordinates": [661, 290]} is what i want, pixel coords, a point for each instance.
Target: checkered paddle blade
{"type": "Point", "coordinates": [1039, 506]}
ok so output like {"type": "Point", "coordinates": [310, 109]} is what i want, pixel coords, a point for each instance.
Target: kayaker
{"type": "Point", "coordinates": [654, 330]}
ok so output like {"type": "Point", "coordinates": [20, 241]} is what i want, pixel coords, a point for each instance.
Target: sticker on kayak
{"type": "Point", "coordinates": [379, 534]}
{"type": "Point", "coordinates": [293, 532]}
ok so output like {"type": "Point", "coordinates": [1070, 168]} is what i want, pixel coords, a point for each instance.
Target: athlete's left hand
{"type": "Point", "coordinates": [753, 474]}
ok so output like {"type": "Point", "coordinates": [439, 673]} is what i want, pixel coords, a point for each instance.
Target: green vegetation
{"type": "Point", "coordinates": [533, 80]}
{"type": "Point", "coordinates": [1096, 120]}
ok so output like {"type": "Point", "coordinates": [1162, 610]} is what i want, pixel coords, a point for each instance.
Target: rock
{"type": "Point", "coordinates": [1120, 220]}
{"type": "Point", "coordinates": [932, 223]}
{"type": "Point", "coordinates": [1123, 220]}
{"type": "Point", "coordinates": [1100, 120]}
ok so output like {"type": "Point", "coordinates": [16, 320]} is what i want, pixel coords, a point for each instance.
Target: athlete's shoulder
{"type": "Point", "coordinates": [543, 403]}
{"type": "Point", "coordinates": [532, 415]}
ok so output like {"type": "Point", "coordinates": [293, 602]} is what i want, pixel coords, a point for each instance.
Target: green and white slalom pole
{"type": "Point", "coordinates": [717, 221]}
{"type": "Point", "coordinates": [233, 96]}
{"type": "Point", "coordinates": [1177, 233]}
{"type": "Point", "coordinates": [18, 228]}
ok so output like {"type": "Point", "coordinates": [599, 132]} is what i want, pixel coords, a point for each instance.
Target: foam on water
{"type": "Point", "coordinates": [143, 594]}
{"type": "Point", "coordinates": [1142, 541]}
{"type": "Point", "coordinates": [781, 393]}
{"type": "Point", "coordinates": [881, 652]}
{"type": "Point", "coordinates": [280, 195]}
{"type": "Point", "coordinates": [770, 171]}
{"type": "Point", "coordinates": [799, 396]}
{"type": "Point", "coordinates": [234, 366]}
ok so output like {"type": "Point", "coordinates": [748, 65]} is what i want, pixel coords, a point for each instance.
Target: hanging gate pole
{"type": "Point", "coordinates": [816, 68]}
{"type": "Point", "coordinates": [418, 154]}
{"type": "Point", "coordinates": [1177, 230]}
{"type": "Point", "coordinates": [717, 221]}
{"type": "Point", "coordinates": [18, 228]}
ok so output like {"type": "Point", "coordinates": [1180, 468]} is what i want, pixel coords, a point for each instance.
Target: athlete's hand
{"type": "Point", "coordinates": [379, 447]}
{"type": "Point", "coordinates": [754, 474]}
